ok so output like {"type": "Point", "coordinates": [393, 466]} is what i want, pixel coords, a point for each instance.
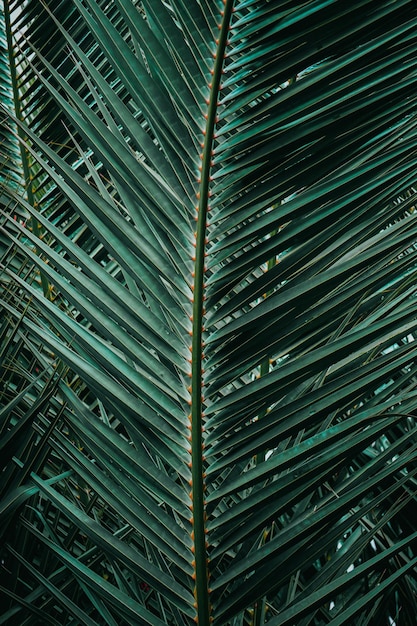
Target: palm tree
{"type": "Point", "coordinates": [208, 281]}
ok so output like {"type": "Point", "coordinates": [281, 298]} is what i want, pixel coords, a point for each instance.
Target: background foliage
{"type": "Point", "coordinates": [207, 343]}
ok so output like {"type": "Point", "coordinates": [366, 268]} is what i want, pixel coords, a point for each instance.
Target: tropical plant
{"type": "Point", "coordinates": [208, 292]}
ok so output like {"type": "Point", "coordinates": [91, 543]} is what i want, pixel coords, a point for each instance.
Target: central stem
{"type": "Point", "coordinates": [197, 400]}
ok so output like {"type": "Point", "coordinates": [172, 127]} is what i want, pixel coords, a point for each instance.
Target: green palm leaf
{"type": "Point", "coordinates": [208, 292]}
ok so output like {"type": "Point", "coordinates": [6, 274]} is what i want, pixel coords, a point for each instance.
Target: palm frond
{"type": "Point", "coordinates": [209, 323]}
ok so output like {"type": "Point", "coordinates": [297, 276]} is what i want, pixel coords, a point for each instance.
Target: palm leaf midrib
{"type": "Point", "coordinates": [198, 315]}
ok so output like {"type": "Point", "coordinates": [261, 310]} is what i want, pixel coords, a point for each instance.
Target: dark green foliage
{"type": "Point", "coordinates": [207, 345]}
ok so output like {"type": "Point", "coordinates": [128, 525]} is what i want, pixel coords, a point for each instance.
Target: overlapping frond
{"type": "Point", "coordinates": [209, 337]}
